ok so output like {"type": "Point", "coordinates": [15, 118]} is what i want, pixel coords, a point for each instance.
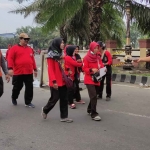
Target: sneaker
{"type": "Point", "coordinates": [14, 102]}
{"type": "Point", "coordinates": [80, 102]}
{"type": "Point", "coordinates": [97, 118]}
{"type": "Point", "coordinates": [67, 120]}
{"type": "Point", "coordinates": [43, 114]}
{"type": "Point", "coordinates": [99, 97]}
{"type": "Point", "coordinates": [73, 106]}
{"type": "Point", "coordinates": [108, 98]}
{"type": "Point", "coordinates": [30, 105]}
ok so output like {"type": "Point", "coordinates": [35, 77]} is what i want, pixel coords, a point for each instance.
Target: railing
{"type": "Point", "coordinates": [121, 52]}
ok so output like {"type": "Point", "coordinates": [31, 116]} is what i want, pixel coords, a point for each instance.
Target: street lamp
{"type": "Point", "coordinates": [128, 49]}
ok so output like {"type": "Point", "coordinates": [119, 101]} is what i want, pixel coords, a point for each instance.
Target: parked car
{"type": "Point", "coordinates": [4, 52]}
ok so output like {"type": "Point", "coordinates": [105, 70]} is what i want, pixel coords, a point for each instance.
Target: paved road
{"type": "Point", "coordinates": [125, 123]}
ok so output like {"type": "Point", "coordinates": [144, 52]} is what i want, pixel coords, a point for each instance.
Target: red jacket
{"type": "Point", "coordinates": [54, 73]}
{"type": "Point", "coordinates": [21, 60]}
{"type": "Point", "coordinates": [71, 64]}
{"type": "Point", "coordinates": [88, 72]}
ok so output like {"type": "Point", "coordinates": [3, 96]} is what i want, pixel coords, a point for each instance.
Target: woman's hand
{"type": "Point", "coordinates": [94, 70]}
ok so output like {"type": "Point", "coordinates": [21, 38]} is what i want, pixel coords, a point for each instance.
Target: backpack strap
{"type": "Point", "coordinates": [103, 54]}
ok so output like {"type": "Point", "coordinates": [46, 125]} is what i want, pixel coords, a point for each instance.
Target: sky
{"type": "Point", "coordinates": [10, 22]}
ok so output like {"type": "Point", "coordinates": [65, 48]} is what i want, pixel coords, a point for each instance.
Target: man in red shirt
{"type": "Point", "coordinates": [21, 64]}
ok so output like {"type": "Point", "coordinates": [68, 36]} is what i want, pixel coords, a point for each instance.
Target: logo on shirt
{"type": "Point", "coordinates": [31, 54]}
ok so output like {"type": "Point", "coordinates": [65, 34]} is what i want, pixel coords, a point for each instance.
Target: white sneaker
{"type": "Point", "coordinates": [97, 118]}
{"type": "Point", "coordinates": [43, 114]}
{"type": "Point", "coordinates": [67, 120]}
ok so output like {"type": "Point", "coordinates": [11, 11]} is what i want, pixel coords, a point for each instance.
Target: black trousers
{"type": "Point", "coordinates": [108, 86]}
{"type": "Point", "coordinates": [1, 86]}
{"type": "Point", "coordinates": [74, 92]}
{"type": "Point", "coordinates": [61, 94]}
{"type": "Point", "coordinates": [18, 81]}
{"type": "Point", "coordinates": [77, 95]}
{"type": "Point", "coordinates": [92, 91]}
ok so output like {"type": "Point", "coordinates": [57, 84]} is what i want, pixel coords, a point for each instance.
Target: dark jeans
{"type": "Point", "coordinates": [74, 92]}
{"type": "Point", "coordinates": [61, 94]}
{"type": "Point", "coordinates": [108, 86]}
{"type": "Point", "coordinates": [18, 81]}
{"type": "Point", "coordinates": [77, 95]}
{"type": "Point", "coordinates": [93, 100]}
{"type": "Point", "coordinates": [1, 86]}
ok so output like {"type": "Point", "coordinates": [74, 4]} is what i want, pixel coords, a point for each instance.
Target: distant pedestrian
{"type": "Point", "coordinates": [4, 68]}
{"type": "Point", "coordinates": [57, 85]}
{"type": "Point", "coordinates": [106, 58]}
{"type": "Point", "coordinates": [21, 65]}
{"type": "Point", "coordinates": [148, 63]}
{"type": "Point", "coordinates": [92, 64]}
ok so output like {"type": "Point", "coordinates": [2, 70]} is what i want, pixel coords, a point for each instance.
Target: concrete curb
{"type": "Point", "coordinates": [133, 79]}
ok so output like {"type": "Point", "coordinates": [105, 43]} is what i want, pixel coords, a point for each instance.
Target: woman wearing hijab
{"type": "Point", "coordinates": [92, 63]}
{"type": "Point", "coordinates": [57, 85]}
{"type": "Point", "coordinates": [78, 70]}
{"type": "Point", "coordinates": [70, 67]}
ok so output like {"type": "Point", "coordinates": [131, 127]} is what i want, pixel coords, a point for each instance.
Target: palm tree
{"type": "Point", "coordinates": [52, 13]}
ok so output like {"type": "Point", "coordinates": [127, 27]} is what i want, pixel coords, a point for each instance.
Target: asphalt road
{"type": "Point", "coordinates": [125, 122]}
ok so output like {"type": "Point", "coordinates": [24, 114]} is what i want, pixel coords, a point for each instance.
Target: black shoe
{"type": "Point", "coordinates": [99, 97]}
{"type": "Point", "coordinates": [14, 102]}
{"type": "Point", "coordinates": [108, 98]}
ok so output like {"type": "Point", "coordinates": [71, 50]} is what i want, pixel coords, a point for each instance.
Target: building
{"type": "Point", "coordinates": [7, 35]}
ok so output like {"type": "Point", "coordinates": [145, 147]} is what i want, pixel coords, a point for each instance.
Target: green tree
{"type": "Point", "coordinates": [52, 13]}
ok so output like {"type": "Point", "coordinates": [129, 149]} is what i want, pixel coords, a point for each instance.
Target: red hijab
{"type": "Point", "coordinates": [90, 56]}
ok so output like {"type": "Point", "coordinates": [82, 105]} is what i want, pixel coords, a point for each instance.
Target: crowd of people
{"type": "Point", "coordinates": [64, 68]}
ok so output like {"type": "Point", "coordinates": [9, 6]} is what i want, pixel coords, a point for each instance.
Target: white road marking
{"type": "Point", "coordinates": [127, 113]}
{"type": "Point", "coordinates": [39, 68]}
{"type": "Point", "coordinates": [135, 86]}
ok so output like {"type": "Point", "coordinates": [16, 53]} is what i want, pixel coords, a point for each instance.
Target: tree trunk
{"type": "Point", "coordinates": [63, 34]}
{"type": "Point", "coordinates": [81, 42]}
{"type": "Point", "coordinates": [95, 11]}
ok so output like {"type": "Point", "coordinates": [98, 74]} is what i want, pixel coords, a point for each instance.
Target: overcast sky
{"type": "Point", "coordinates": [10, 22]}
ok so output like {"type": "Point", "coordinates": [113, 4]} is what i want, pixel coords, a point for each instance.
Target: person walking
{"type": "Point", "coordinates": [57, 85]}
{"type": "Point", "coordinates": [78, 70]}
{"type": "Point", "coordinates": [71, 66]}
{"type": "Point", "coordinates": [107, 61]}
{"type": "Point", "coordinates": [92, 64]}
{"type": "Point", "coordinates": [4, 68]}
{"type": "Point", "coordinates": [21, 65]}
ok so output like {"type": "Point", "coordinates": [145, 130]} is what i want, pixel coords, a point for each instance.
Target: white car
{"type": "Point", "coordinates": [4, 52]}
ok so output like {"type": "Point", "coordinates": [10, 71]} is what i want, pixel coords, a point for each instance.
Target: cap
{"type": "Point", "coordinates": [101, 44]}
{"type": "Point", "coordinates": [23, 35]}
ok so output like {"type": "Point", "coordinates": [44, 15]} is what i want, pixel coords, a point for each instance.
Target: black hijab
{"type": "Point", "coordinates": [54, 51]}
{"type": "Point", "coordinates": [70, 50]}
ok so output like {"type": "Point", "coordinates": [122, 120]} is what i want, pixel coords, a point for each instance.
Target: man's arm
{"type": "Point", "coordinates": [144, 59]}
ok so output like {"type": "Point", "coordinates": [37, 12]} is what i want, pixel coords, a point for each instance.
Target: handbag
{"type": "Point", "coordinates": [68, 81]}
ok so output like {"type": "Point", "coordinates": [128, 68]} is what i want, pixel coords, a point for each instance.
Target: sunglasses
{"type": "Point", "coordinates": [26, 39]}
